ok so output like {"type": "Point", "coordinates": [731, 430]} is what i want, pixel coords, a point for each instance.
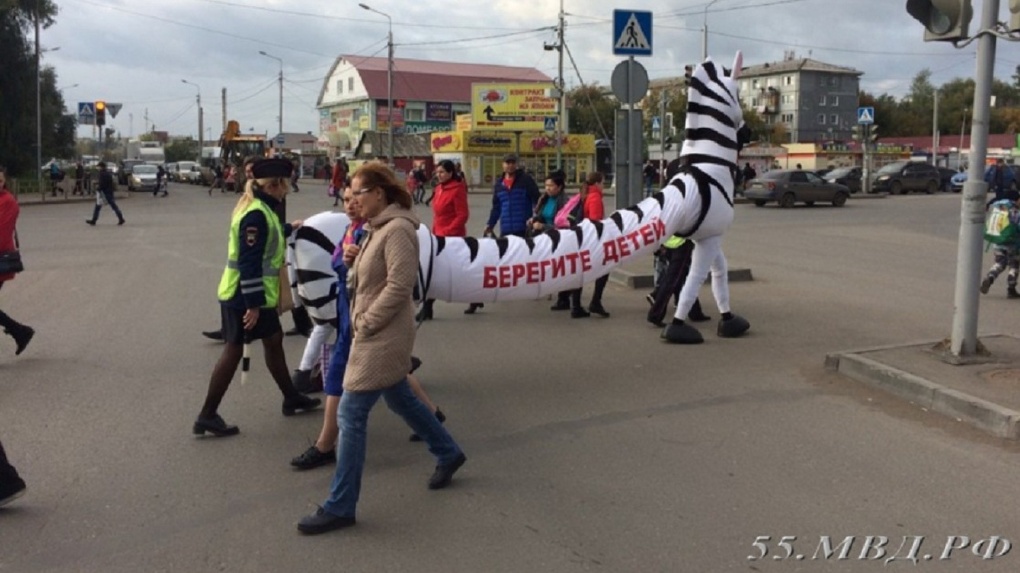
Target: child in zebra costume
{"type": "Point", "coordinates": [696, 204]}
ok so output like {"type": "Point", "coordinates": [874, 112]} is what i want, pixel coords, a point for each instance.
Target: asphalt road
{"type": "Point", "coordinates": [591, 445]}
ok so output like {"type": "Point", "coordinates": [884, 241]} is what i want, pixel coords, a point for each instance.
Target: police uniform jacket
{"type": "Point", "coordinates": [254, 233]}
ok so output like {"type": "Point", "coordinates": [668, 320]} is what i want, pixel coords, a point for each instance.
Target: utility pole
{"type": "Point", "coordinates": [38, 103]}
{"type": "Point", "coordinates": [223, 106]}
{"type": "Point", "coordinates": [935, 128]}
{"type": "Point", "coordinates": [560, 128]}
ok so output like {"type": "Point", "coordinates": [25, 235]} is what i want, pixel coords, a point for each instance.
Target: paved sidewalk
{"type": "Point", "coordinates": [980, 392]}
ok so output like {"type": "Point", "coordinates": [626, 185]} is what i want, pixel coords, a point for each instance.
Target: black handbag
{"type": "Point", "coordinates": [10, 262]}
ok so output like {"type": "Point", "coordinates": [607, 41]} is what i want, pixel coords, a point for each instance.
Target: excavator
{"type": "Point", "coordinates": [236, 146]}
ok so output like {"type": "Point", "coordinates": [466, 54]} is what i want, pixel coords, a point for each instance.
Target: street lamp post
{"type": "Point", "coordinates": [198, 100]}
{"type": "Point", "coordinates": [389, 78]}
{"type": "Point", "coordinates": [281, 87]}
{"type": "Point", "coordinates": [704, 32]}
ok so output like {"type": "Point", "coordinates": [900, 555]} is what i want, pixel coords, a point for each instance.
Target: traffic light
{"type": "Point", "coordinates": [943, 20]}
{"type": "Point", "coordinates": [1014, 15]}
{"type": "Point", "coordinates": [855, 132]}
{"type": "Point", "coordinates": [872, 133]}
{"type": "Point", "coordinates": [688, 73]}
{"type": "Point", "coordinates": [100, 113]}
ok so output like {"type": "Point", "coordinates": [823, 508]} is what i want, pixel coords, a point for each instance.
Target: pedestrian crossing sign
{"type": "Point", "coordinates": [632, 33]}
{"type": "Point", "coordinates": [865, 115]}
{"type": "Point", "coordinates": [550, 124]}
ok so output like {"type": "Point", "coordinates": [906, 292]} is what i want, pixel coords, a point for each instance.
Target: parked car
{"type": "Point", "coordinates": [188, 172]}
{"type": "Point", "coordinates": [786, 187]}
{"type": "Point", "coordinates": [171, 171]}
{"type": "Point", "coordinates": [142, 178]}
{"type": "Point", "coordinates": [957, 180]}
{"type": "Point", "coordinates": [848, 176]}
{"type": "Point", "coordinates": [901, 177]}
{"type": "Point", "coordinates": [126, 167]}
{"type": "Point", "coordinates": [946, 179]}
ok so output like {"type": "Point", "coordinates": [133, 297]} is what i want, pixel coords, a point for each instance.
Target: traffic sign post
{"type": "Point", "coordinates": [630, 83]}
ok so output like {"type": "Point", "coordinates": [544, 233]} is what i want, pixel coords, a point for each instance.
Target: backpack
{"type": "Point", "coordinates": [1000, 229]}
{"type": "Point", "coordinates": [566, 216]}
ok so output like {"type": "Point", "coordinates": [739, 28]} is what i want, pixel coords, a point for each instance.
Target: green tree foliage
{"type": "Point", "coordinates": [592, 110]}
{"type": "Point", "coordinates": [17, 90]}
{"type": "Point", "coordinates": [181, 150]}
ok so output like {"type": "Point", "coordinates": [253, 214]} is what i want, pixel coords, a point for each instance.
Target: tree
{"type": "Point", "coordinates": [592, 111]}
{"type": "Point", "coordinates": [18, 96]}
{"type": "Point", "coordinates": [181, 150]}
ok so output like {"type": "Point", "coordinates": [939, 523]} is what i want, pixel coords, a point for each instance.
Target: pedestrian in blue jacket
{"type": "Point", "coordinates": [513, 200]}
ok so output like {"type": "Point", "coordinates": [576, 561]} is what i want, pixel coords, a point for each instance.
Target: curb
{"type": "Point", "coordinates": [989, 417]}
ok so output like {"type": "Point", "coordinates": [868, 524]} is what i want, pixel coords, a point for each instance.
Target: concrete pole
{"type": "Point", "coordinates": [563, 95]}
{"type": "Point", "coordinates": [389, 91]}
{"type": "Point", "coordinates": [38, 104]}
{"type": "Point", "coordinates": [935, 128]}
{"type": "Point", "coordinates": [964, 341]}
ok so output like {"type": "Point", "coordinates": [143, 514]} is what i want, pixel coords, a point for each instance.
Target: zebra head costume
{"type": "Point", "coordinates": [697, 203]}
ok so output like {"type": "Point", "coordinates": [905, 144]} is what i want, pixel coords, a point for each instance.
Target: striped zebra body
{"type": "Point", "coordinates": [311, 247]}
{"type": "Point", "coordinates": [697, 203]}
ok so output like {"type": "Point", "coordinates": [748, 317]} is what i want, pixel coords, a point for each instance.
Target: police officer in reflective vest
{"type": "Point", "coordinates": [248, 293]}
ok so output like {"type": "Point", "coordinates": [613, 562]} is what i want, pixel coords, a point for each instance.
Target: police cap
{"type": "Point", "coordinates": [270, 168]}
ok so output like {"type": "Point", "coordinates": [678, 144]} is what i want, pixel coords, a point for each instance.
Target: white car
{"type": "Point", "coordinates": [188, 172]}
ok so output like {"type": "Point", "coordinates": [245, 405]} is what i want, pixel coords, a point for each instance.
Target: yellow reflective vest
{"type": "Point", "coordinates": [272, 257]}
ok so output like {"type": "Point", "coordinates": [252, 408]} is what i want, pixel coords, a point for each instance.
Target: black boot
{"type": "Point", "coordinates": [303, 382]}
{"type": "Point", "coordinates": [95, 215]}
{"type": "Point", "coordinates": [1011, 292]}
{"type": "Point", "coordinates": [473, 307]}
{"type": "Point", "coordinates": [22, 335]}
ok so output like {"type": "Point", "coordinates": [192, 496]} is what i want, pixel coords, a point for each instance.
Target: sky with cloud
{"type": "Point", "coordinates": [138, 52]}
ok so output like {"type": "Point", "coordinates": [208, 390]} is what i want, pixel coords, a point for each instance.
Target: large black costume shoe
{"type": "Point", "coordinates": [679, 333]}
{"type": "Point", "coordinates": [734, 327]}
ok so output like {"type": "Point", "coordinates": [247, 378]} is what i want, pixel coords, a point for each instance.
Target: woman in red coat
{"type": "Point", "coordinates": [592, 208]}
{"type": "Point", "coordinates": [449, 216]}
{"type": "Point", "coordinates": [8, 220]}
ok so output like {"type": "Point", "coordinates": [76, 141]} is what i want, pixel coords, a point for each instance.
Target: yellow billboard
{"type": "Point", "coordinates": [513, 107]}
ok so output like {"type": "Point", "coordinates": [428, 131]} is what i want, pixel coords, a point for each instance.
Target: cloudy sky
{"type": "Point", "coordinates": [137, 52]}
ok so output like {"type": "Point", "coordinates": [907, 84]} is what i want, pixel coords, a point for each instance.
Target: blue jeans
{"type": "Point", "coordinates": [352, 417]}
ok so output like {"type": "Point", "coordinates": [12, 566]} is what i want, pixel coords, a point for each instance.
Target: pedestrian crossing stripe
{"type": "Point", "coordinates": [633, 37]}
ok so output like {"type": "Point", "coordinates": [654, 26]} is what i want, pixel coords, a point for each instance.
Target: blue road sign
{"type": "Point", "coordinates": [86, 112]}
{"type": "Point", "coordinates": [655, 123]}
{"type": "Point", "coordinates": [550, 124]}
{"type": "Point", "coordinates": [632, 33]}
{"type": "Point", "coordinates": [865, 115]}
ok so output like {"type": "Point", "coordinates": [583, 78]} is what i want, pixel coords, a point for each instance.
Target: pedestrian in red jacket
{"type": "Point", "coordinates": [591, 199]}
{"type": "Point", "coordinates": [449, 217]}
{"type": "Point", "coordinates": [9, 211]}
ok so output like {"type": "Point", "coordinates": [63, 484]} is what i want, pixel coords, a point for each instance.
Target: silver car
{"type": "Point", "coordinates": [142, 178]}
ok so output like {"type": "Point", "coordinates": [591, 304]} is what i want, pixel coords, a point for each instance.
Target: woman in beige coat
{"type": "Point", "coordinates": [382, 273]}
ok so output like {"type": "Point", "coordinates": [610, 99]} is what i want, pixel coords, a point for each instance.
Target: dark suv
{"type": "Point", "coordinates": [903, 176]}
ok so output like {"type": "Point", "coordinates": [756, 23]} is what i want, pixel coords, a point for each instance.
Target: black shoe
{"type": "Point", "coordinates": [90, 222]}
{"type": "Point", "coordinates": [303, 382]}
{"type": "Point", "coordinates": [443, 474]}
{"type": "Point", "coordinates": [322, 521]}
{"type": "Point", "coordinates": [313, 458]}
{"type": "Point", "coordinates": [425, 313]}
{"type": "Point", "coordinates": [1010, 293]}
{"type": "Point", "coordinates": [700, 317]}
{"type": "Point", "coordinates": [213, 334]}
{"type": "Point", "coordinates": [985, 285]}
{"type": "Point", "coordinates": [11, 491]}
{"type": "Point", "coordinates": [121, 222]}
{"type": "Point", "coordinates": [215, 426]}
{"type": "Point", "coordinates": [22, 335]}
{"type": "Point", "coordinates": [561, 305]}
{"type": "Point", "coordinates": [439, 416]}
{"type": "Point", "coordinates": [473, 307]}
{"type": "Point", "coordinates": [597, 308]}
{"type": "Point", "coordinates": [732, 327]}
{"type": "Point", "coordinates": [299, 402]}
{"type": "Point", "coordinates": [679, 333]}
{"type": "Point", "coordinates": [579, 312]}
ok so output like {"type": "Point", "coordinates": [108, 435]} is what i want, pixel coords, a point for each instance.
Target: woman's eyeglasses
{"type": "Point", "coordinates": [361, 192]}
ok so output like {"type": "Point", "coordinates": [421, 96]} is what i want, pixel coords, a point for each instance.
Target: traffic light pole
{"type": "Point", "coordinates": [964, 341]}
